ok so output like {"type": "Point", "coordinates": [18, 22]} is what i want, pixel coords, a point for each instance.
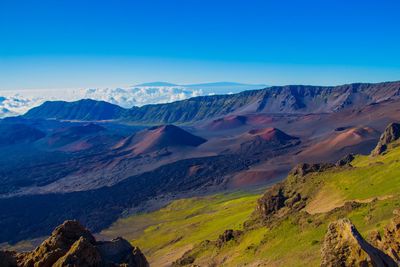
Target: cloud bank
{"type": "Point", "coordinates": [18, 102]}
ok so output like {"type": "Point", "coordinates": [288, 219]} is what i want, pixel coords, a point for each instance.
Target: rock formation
{"type": "Point", "coordinates": [279, 199]}
{"type": "Point", "coordinates": [303, 169]}
{"type": "Point", "coordinates": [71, 244]}
{"type": "Point", "coordinates": [345, 161]}
{"type": "Point", "coordinates": [227, 236]}
{"type": "Point", "coordinates": [344, 246]}
{"type": "Point", "coordinates": [391, 134]}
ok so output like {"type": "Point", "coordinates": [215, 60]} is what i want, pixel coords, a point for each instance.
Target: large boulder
{"type": "Point", "coordinates": [71, 244]}
{"type": "Point", "coordinates": [391, 134]}
{"type": "Point", "coordinates": [344, 246]}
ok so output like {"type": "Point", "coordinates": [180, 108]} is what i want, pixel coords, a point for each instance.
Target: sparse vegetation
{"type": "Point", "coordinates": [372, 183]}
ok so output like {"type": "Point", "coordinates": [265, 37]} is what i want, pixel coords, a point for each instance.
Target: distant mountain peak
{"type": "Point", "coordinates": [224, 84]}
{"type": "Point", "coordinates": [156, 84]}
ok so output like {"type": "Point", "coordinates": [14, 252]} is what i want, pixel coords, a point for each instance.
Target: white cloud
{"type": "Point", "coordinates": [19, 101]}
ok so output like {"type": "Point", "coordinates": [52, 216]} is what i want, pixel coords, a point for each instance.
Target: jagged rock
{"type": "Point", "coordinates": [344, 246]}
{"type": "Point", "coordinates": [82, 253]}
{"type": "Point", "coordinates": [305, 168]}
{"type": "Point", "coordinates": [345, 161]}
{"type": "Point", "coordinates": [391, 134]}
{"type": "Point", "coordinates": [227, 236]}
{"type": "Point", "coordinates": [277, 199]}
{"type": "Point", "coordinates": [273, 200]}
{"type": "Point", "coordinates": [391, 239]}
{"type": "Point", "coordinates": [57, 245]}
{"type": "Point", "coordinates": [71, 244]}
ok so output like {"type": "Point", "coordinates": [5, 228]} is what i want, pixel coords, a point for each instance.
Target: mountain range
{"type": "Point", "coordinates": [274, 100]}
{"type": "Point", "coordinates": [17, 102]}
{"type": "Point", "coordinates": [97, 162]}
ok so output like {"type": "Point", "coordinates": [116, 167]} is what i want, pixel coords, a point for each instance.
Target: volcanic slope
{"type": "Point", "coordinates": [289, 222]}
{"type": "Point", "coordinates": [158, 138]}
{"type": "Point", "coordinates": [293, 99]}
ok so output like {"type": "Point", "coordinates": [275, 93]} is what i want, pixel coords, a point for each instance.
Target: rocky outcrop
{"type": "Point", "coordinates": [345, 161]}
{"type": "Point", "coordinates": [305, 168]}
{"type": "Point", "coordinates": [390, 241]}
{"type": "Point", "coordinates": [81, 253]}
{"type": "Point", "coordinates": [391, 237]}
{"type": "Point", "coordinates": [391, 134]}
{"type": "Point", "coordinates": [279, 199]}
{"type": "Point", "coordinates": [344, 246]}
{"type": "Point", "coordinates": [71, 244]}
{"type": "Point", "coordinates": [227, 236]}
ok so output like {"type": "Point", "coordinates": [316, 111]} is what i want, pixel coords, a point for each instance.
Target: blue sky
{"type": "Point", "coordinates": [85, 43]}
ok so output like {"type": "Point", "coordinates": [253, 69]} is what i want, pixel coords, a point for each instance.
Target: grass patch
{"type": "Point", "coordinates": [184, 223]}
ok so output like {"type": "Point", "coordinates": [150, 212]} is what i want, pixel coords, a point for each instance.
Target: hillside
{"type": "Point", "coordinates": [157, 138]}
{"type": "Point", "coordinates": [298, 99]}
{"type": "Point", "coordinates": [166, 234]}
{"type": "Point", "coordinates": [84, 110]}
{"type": "Point", "coordinates": [288, 224]}
{"type": "Point", "coordinates": [18, 133]}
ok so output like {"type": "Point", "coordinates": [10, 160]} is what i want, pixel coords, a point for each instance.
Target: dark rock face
{"type": "Point", "coordinates": [71, 244]}
{"type": "Point", "coordinates": [305, 168]}
{"type": "Point", "coordinates": [345, 161]}
{"type": "Point", "coordinates": [391, 134]}
{"type": "Point", "coordinates": [279, 200]}
{"type": "Point", "coordinates": [344, 246]}
{"type": "Point", "coordinates": [273, 200]}
{"type": "Point", "coordinates": [227, 236]}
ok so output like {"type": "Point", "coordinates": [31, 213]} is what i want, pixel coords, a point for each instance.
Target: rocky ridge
{"type": "Point", "coordinates": [344, 246]}
{"type": "Point", "coordinates": [70, 244]}
{"type": "Point", "coordinates": [391, 134]}
{"type": "Point", "coordinates": [299, 99]}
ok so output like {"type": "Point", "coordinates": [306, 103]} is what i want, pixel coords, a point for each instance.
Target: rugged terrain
{"type": "Point", "coordinates": [286, 99]}
{"type": "Point", "coordinates": [342, 214]}
{"type": "Point", "coordinates": [303, 220]}
{"type": "Point", "coordinates": [70, 244]}
{"type": "Point", "coordinates": [96, 162]}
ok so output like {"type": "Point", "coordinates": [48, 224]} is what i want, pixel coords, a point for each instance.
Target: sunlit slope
{"type": "Point", "coordinates": [164, 235]}
{"type": "Point", "coordinates": [366, 193]}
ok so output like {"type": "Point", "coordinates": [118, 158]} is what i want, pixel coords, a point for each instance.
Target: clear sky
{"type": "Point", "coordinates": [94, 43]}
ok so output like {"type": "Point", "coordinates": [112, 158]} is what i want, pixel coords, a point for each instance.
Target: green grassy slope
{"type": "Point", "coordinates": [373, 182]}
{"type": "Point", "coordinates": [164, 235]}
{"type": "Point", "coordinates": [295, 240]}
